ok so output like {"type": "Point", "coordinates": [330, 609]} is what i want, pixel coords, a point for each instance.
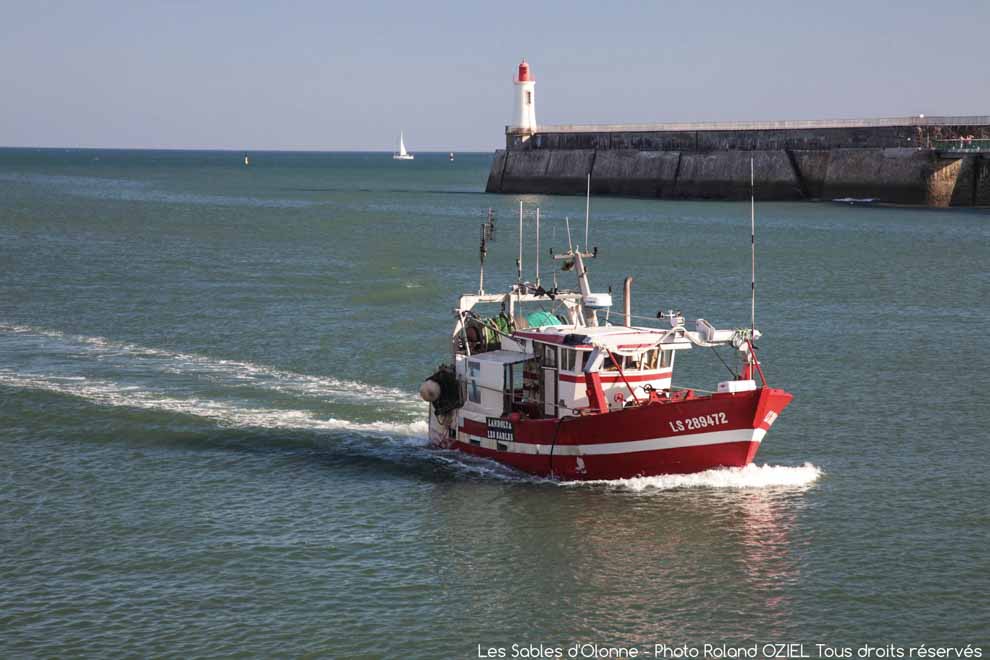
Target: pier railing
{"type": "Point", "coordinates": [880, 122]}
{"type": "Point", "coordinates": [962, 146]}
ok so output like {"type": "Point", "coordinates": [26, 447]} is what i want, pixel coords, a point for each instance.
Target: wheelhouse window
{"type": "Point", "coordinates": [474, 390]}
{"type": "Point", "coordinates": [570, 359]}
{"type": "Point", "coordinates": [548, 356]}
{"type": "Point", "coordinates": [650, 360]}
{"type": "Point", "coordinates": [513, 392]}
{"type": "Point", "coordinates": [636, 362]}
{"type": "Point", "coordinates": [522, 387]}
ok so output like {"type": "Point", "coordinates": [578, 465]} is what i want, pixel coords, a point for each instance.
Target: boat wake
{"type": "Point", "coordinates": [224, 414]}
{"type": "Point", "coordinates": [229, 393]}
{"type": "Point", "coordinates": [133, 358]}
{"type": "Point", "coordinates": [751, 476]}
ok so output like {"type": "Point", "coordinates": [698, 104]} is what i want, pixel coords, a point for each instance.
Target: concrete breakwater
{"type": "Point", "coordinates": [936, 161]}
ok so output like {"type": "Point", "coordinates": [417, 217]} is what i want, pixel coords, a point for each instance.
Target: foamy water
{"type": "Point", "coordinates": [750, 476]}
{"type": "Point", "coordinates": [107, 393]}
{"type": "Point", "coordinates": [230, 372]}
{"type": "Point", "coordinates": [120, 374]}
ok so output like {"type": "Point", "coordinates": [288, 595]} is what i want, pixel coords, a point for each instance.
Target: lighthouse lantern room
{"type": "Point", "coordinates": [525, 115]}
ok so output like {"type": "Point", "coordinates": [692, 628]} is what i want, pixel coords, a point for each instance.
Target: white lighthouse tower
{"type": "Point", "coordinates": [525, 116]}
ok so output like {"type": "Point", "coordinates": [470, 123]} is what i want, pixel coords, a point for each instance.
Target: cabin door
{"type": "Point", "coordinates": [549, 384]}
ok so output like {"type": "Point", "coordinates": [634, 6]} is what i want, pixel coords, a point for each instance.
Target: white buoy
{"type": "Point", "coordinates": [429, 391]}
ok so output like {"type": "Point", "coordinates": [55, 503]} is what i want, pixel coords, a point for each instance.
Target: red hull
{"type": "Point", "coordinates": [721, 430]}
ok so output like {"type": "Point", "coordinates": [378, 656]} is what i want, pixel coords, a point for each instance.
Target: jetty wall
{"type": "Point", "coordinates": [906, 160]}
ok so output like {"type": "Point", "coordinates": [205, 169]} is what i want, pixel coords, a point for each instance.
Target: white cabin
{"type": "Point", "coordinates": [507, 366]}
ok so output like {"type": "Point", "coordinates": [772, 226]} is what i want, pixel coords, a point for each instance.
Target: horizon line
{"type": "Point", "coordinates": [248, 150]}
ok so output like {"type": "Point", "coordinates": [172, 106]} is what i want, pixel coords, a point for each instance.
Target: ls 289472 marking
{"type": "Point", "coordinates": [703, 422]}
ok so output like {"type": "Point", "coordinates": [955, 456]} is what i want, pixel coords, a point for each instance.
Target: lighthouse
{"type": "Point", "coordinates": [525, 115]}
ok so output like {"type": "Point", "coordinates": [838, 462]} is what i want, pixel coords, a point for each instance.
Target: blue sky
{"type": "Point", "coordinates": [350, 75]}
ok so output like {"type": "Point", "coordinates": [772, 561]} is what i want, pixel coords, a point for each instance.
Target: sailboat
{"type": "Point", "coordinates": [402, 154]}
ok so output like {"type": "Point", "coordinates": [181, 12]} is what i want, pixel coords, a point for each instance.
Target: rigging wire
{"type": "Point", "coordinates": [719, 356]}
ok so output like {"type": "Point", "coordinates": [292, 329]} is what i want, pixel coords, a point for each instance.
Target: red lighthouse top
{"type": "Point", "coordinates": [524, 74]}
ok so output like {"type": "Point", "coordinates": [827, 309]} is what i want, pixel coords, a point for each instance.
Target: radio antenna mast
{"type": "Point", "coordinates": [537, 246]}
{"type": "Point", "coordinates": [752, 242]}
{"type": "Point", "coordinates": [519, 260]}
{"type": "Point", "coordinates": [587, 211]}
{"type": "Point", "coordinates": [487, 234]}
{"type": "Point", "coordinates": [484, 251]}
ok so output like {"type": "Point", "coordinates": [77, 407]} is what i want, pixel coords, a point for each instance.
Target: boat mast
{"type": "Point", "coordinates": [537, 246]}
{"type": "Point", "coordinates": [587, 212]}
{"type": "Point", "coordinates": [487, 234]}
{"type": "Point", "coordinates": [577, 256]}
{"type": "Point", "coordinates": [590, 318]}
{"type": "Point", "coordinates": [752, 243]}
{"type": "Point", "coordinates": [519, 260]}
{"type": "Point", "coordinates": [484, 250]}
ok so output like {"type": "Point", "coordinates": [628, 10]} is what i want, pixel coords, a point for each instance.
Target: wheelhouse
{"type": "Point", "coordinates": [509, 366]}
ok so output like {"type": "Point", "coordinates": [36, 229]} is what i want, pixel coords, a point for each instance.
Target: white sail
{"type": "Point", "coordinates": [402, 154]}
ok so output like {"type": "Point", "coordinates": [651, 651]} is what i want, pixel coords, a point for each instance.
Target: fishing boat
{"type": "Point", "coordinates": [542, 380]}
{"type": "Point", "coordinates": [402, 154]}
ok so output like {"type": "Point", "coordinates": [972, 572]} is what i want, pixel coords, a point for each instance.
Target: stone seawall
{"type": "Point", "coordinates": [891, 163]}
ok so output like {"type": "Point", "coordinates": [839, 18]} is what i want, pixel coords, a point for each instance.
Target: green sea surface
{"type": "Point", "coordinates": [211, 443]}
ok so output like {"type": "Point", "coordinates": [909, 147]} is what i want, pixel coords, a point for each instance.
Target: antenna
{"type": "Point", "coordinates": [587, 212]}
{"type": "Point", "coordinates": [570, 247]}
{"type": "Point", "coordinates": [519, 260]}
{"type": "Point", "coordinates": [487, 234]}
{"type": "Point", "coordinates": [537, 246]}
{"type": "Point", "coordinates": [484, 251]}
{"type": "Point", "coordinates": [752, 242]}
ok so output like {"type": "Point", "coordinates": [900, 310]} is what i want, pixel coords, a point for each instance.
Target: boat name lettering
{"type": "Point", "coordinates": [700, 422]}
{"type": "Point", "coordinates": [500, 429]}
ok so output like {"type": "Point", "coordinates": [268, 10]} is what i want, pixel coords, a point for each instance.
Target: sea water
{"type": "Point", "coordinates": [210, 441]}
